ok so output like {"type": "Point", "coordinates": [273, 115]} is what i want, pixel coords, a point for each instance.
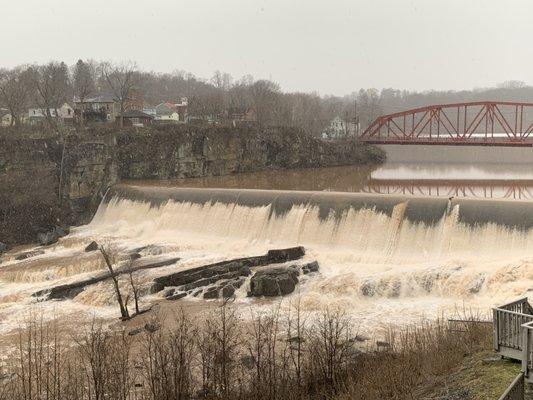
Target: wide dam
{"type": "Point", "coordinates": [384, 258]}
{"type": "Point", "coordinates": [415, 253]}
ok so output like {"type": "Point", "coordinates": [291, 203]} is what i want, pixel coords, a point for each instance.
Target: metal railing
{"type": "Point", "coordinates": [507, 327]}
{"type": "Point", "coordinates": [516, 390]}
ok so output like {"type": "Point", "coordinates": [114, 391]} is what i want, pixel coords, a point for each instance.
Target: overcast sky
{"type": "Point", "coordinates": [329, 46]}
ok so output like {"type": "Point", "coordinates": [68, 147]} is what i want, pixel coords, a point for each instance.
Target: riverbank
{"type": "Point", "coordinates": [219, 355]}
{"type": "Point", "coordinates": [48, 180]}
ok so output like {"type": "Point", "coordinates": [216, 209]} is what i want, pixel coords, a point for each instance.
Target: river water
{"type": "Point", "coordinates": [395, 243]}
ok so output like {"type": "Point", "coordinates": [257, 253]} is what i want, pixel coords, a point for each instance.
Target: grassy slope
{"type": "Point", "coordinates": [473, 379]}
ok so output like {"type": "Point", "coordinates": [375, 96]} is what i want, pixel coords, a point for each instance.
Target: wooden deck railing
{"type": "Point", "coordinates": [516, 390]}
{"type": "Point", "coordinates": [507, 327]}
{"type": "Point", "coordinates": [527, 350]}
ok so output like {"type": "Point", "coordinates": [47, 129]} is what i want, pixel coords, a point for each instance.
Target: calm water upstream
{"type": "Point", "coordinates": [482, 180]}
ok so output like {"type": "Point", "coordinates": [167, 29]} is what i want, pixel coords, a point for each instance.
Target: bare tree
{"type": "Point", "coordinates": [121, 303]}
{"type": "Point", "coordinates": [83, 77]}
{"type": "Point", "coordinates": [135, 291]}
{"type": "Point", "coordinates": [266, 100]}
{"type": "Point", "coordinates": [121, 79]}
{"type": "Point", "coordinates": [52, 84]}
{"type": "Point", "coordinates": [15, 91]}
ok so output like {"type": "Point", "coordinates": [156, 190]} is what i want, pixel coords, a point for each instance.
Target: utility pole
{"type": "Point", "coordinates": [355, 118]}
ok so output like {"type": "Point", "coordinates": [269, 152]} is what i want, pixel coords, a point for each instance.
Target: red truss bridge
{"type": "Point", "coordinates": [482, 123]}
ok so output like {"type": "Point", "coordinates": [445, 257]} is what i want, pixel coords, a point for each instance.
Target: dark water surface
{"type": "Point", "coordinates": [490, 181]}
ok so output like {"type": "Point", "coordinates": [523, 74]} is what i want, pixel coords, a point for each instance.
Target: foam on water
{"type": "Point", "coordinates": [386, 257]}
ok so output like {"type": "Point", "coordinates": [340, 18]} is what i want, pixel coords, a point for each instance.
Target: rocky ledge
{"type": "Point", "coordinates": [279, 281]}
{"type": "Point", "coordinates": [222, 279]}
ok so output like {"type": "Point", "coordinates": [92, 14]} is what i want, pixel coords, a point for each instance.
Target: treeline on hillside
{"type": "Point", "coordinates": [50, 85]}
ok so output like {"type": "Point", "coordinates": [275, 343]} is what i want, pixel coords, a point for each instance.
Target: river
{"type": "Point", "coordinates": [395, 243]}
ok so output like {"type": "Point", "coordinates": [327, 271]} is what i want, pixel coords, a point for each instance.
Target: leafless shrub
{"type": "Point", "coordinates": [223, 357]}
{"type": "Point", "coordinates": [168, 359]}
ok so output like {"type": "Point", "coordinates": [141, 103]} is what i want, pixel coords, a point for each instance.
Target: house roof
{"type": "Point", "coordinates": [98, 98]}
{"type": "Point", "coordinates": [165, 109]}
{"type": "Point", "coordinates": [135, 114]}
{"type": "Point", "coordinates": [3, 112]}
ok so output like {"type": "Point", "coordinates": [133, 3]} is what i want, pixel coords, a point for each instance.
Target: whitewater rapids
{"type": "Point", "coordinates": [390, 259]}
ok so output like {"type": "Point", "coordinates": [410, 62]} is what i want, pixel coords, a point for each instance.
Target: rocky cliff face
{"type": "Point", "coordinates": [46, 181]}
{"type": "Point", "coordinates": [184, 151]}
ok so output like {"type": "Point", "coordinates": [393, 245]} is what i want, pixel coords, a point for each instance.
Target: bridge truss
{"type": "Point", "coordinates": [475, 123]}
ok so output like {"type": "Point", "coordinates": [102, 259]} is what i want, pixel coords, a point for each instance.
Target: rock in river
{"type": "Point", "coordinates": [275, 281]}
{"type": "Point", "coordinates": [93, 246]}
{"type": "Point", "coordinates": [52, 236]}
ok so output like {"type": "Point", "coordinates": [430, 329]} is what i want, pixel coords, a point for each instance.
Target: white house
{"type": "Point", "coordinates": [65, 114]}
{"type": "Point", "coordinates": [167, 112]}
{"type": "Point", "coordinates": [338, 128]}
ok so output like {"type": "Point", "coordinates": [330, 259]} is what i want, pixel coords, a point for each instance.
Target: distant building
{"type": "Point", "coordinates": [167, 112]}
{"type": "Point", "coordinates": [183, 109]}
{"type": "Point", "coordinates": [135, 118]}
{"type": "Point", "coordinates": [204, 118]}
{"type": "Point", "coordinates": [150, 111]}
{"type": "Point", "coordinates": [338, 128]}
{"type": "Point", "coordinates": [64, 114]}
{"type": "Point", "coordinates": [97, 108]}
{"type": "Point", "coordinates": [172, 112]}
{"type": "Point", "coordinates": [240, 115]}
{"type": "Point", "coordinates": [5, 117]}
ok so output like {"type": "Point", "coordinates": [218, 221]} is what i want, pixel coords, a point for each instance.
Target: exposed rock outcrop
{"type": "Point", "coordinates": [275, 281]}
{"type": "Point", "coordinates": [93, 246]}
{"type": "Point", "coordinates": [52, 236]}
{"type": "Point", "coordinates": [225, 270]}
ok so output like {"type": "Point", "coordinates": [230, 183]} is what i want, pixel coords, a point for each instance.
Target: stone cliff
{"type": "Point", "coordinates": [49, 181]}
{"type": "Point", "coordinates": [183, 151]}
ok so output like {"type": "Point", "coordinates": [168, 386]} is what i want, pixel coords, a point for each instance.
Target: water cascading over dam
{"type": "Point", "coordinates": [394, 228]}
{"type": "Point", "coordinates": [369, 246]}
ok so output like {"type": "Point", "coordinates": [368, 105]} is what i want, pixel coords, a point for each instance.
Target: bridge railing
{"type": "Point", "coordinates": [508, 319]}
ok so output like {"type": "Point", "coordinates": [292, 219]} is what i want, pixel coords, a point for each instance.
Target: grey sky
{"type": "Point", "coordinates": [329, 46]}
